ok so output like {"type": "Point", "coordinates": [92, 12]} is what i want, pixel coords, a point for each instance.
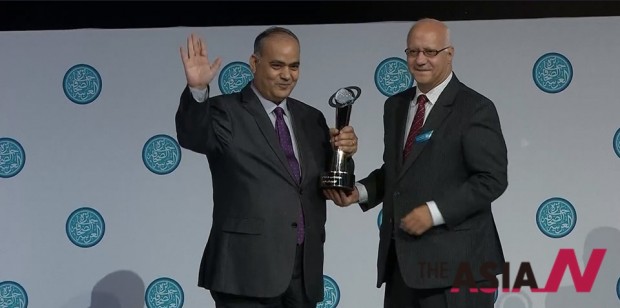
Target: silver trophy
{"type": "Point", "coordinates": [338, 175]}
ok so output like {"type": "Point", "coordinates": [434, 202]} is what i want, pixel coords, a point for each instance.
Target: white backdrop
{"type": "Point", "coordinates": [152, 226]}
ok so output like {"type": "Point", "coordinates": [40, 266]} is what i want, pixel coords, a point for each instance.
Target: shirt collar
{"type": "Point", "coordinates": [269, 105]}
{"type": "Point", "coordinates": [434, 93]}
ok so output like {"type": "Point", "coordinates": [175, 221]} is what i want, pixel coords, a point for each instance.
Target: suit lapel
{"type": "Point", "coordinates": [303, 149]}
{"type": "Point", "coordinates": [253, 105]}
{"type": "Point", "coordinates": [441, 109]}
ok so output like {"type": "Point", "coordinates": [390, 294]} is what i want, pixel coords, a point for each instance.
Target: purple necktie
{"type": "Point", "coordinates": [287, 145]}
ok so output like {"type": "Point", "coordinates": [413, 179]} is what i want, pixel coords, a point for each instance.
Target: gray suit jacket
{"type": "Point", "coordinates": [462, 167]}
{"type": "Point", "coordinates": [256, 202]}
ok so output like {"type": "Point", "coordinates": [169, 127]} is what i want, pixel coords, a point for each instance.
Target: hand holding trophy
{"type": "Point", "coordinates": [338, 175]}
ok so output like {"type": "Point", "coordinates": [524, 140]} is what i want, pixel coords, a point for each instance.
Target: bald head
{"type": "Point", "coordinates": [434, 26]}
{"type": "Point", "coordinates": [429, 53]}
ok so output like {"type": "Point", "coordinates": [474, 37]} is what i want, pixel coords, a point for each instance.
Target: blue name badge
{"type": "Point", "coordinates": [423, 137]}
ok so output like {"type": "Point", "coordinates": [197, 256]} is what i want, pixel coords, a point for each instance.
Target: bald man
{"type": "Point", "coordinates": [444, 163]}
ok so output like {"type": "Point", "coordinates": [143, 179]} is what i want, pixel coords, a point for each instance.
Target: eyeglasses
{"type": "Point", "coordinates": [429, 53]}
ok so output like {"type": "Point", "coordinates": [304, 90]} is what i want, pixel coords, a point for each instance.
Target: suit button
{"type": "Point", "coordinates": [294, 225]}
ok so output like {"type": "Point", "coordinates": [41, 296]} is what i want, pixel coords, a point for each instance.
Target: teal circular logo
{"type": "Point", "coordinates": [12, 158]}
{"type": "Point", "coordinates": [164, 293]}
{"type": "Point", "coordinates": [552, 72]}
{"type": "Point", "coordinates": [392, 76]}
{"type": "Point", "coordinates": [85, 227]}
{"type": "Point", "coordinates": [618, 288]}
{"type": "Point", "coordinates": [234, 77]}
{"type": "Point", "coordinates": [161, 154]}
{"type": "Point", "coordinates": [12, 295]}
{"type": "Point", "coordinates": [617, 143]}
{"type": "Point", "coordinates": [82, 84]}
{"type": "Point", "coordinates": [380, 218]}
{"type": "Point", "coordinates": [556, 217]}
{"type": "Point", "coordinates": [331, 293]}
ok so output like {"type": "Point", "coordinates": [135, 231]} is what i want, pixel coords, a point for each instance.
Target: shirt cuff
{"type": "Point", "coordinates": [435, 213]}
{"type": "Point", "coordinates": [363, 193]}
{"type": "Point", "coordinates": [198, 94]}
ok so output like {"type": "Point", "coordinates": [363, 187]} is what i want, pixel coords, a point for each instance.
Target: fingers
{"type": "Point", "coordinates": [216, 64]}
{"type": "Point", "coordinates": [416, 222]}
{"type": "Point", "coordinates": [410, 225]}
{"type": "Point", "coordinates": [345, 139]}
{"type": "Point", "coordinates": [202, 48]}
{"type": "Point", "coordinates": [329, 194]}
{"type": "Point", "coordinates": [333, 132]}
{"type": "Point", "coordinates": [347, 129]}
{"type": "Point", "coordinates": [340, 197]}
{"type": "Point", "coordinates": [332, 194]}
{"type": "Point", "coordinates": [183, 55]}
{"type": "Point", "coordinates": [190, 46]}
{"type": "Point", "coordinates": [195, 47]}
{"type": "Point", "coordinates": [197, 44]}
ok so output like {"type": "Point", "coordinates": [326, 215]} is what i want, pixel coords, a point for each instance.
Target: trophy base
{"type": "Point", "coordinates": [340, 180]}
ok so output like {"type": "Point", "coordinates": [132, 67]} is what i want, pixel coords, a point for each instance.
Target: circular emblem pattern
{"type": "Point", "coordinates": [164, 293]}
{"type": "Point", "coordinates": [85, 227]}
{"type": "Point", "coordinates": [82, 84]}
{"type": "Point", "coordinates": [618, 288]}
{"type": "Point", "coordinates": [12, 157]}
{"type": "Point", "coordinates": [556, 217]}
{"type": "Point", "coordinates": [161, 154]}
{"type": "Point", "coordinates": [331, 293]}
{"type": "Point", "coordinates": [552, 72]}
{"type": "Point", "coordinates": [392, 76]}
{"type": "Point", "coordinates": [380, 218]}
{"type": "Point", "coordinates": [520, 300]}
{"type": "Point", "coordinates": [12, 295]}
{"type": "Point", "coordinates": [234, 77]}
{"type": "Point", "coordinates": [617, 142]}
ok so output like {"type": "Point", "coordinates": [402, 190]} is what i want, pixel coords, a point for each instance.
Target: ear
{"type": "Point", "coordinates": [253, 61]}
{"type": "Point", "coordinates": [450, 54]}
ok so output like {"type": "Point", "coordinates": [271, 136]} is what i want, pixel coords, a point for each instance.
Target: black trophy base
{"type": "Point", "coordinates": [338, 180]}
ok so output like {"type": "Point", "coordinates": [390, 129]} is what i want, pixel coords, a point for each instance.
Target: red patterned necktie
{"type": "Point", "coordinates": [416, 125]}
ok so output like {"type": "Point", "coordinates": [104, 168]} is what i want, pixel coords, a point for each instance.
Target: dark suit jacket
{"type": "Point", "coordinates": [256, 202]}
{"type": "Point", "coordinates": [462, 167]}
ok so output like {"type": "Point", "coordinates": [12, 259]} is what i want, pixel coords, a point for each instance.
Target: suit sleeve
{"type": "Point", "coordinates": [485, 157]}
{"type": "Point", "coordinates": [375, 181]}
{"type": "Point", "coordinates": [375, 186]}
{"type": "Point", "coordinates": [202, 126]}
